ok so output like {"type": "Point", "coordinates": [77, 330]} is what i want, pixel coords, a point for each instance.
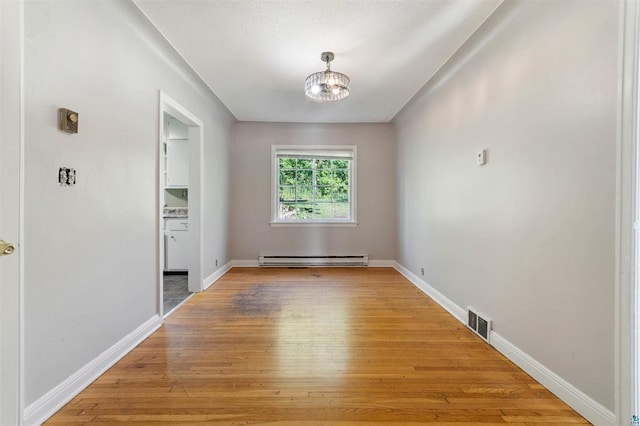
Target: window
{"type": "Point", "coordinates": [314, 185]}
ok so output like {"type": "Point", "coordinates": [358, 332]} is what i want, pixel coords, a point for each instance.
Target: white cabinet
{"type": "Point", "coordinates": [177, 163]}
{"type": "Point", "coordinates": [176, 247]}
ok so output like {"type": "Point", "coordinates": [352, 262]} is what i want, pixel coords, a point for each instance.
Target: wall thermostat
{"type": "Point", "coordinates": [68, 120]}
{"type": "Point", "coordinates": [481, 157]}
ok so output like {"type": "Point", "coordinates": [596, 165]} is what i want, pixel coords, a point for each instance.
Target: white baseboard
{"type": "Point", "coordinates": [578, 400]}
{"type": "Point", "coordinates": [47, 405]}
{"type": "Point", "coordinates": [207, 282]}
{"type": "Point", "coordinates": [455, 310]}
{"type": "Point", "coordinates": [254, 263]}
{"type": "Point", "coordinates": [245, 263]}
{"type": "Point", "coordinates": [575, 398]}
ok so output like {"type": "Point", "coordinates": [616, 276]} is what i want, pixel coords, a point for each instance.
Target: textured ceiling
{"type": "Point", "coordinates": [255, 54]}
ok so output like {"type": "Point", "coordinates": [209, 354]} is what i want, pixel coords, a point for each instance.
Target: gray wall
{"type": "Point", "coordinates": [528, 238]}
{"type": "Point", "coordinates": [250, 199]}
{"type": "Point", "coordinates": [90, 250]}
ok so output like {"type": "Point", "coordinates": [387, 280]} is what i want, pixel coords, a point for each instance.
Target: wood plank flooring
{"type": "Point", "coordinates": [313, 347]}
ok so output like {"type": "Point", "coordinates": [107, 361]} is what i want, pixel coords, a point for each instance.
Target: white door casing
{"type": "Point", "coordinates": [11, 134]}
{"type": "Point", "coordinates": [196, 168]}
{"type": "Point", "coordinates": [627, 234]}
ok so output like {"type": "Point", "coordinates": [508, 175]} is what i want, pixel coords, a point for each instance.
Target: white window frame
{"type": "Point", "coordinates": [313, 150]}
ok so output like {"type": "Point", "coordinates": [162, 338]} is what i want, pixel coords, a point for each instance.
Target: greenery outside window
{"type": "Point", "coordinates": [314, 185]}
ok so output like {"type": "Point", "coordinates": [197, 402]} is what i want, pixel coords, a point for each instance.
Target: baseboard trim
{"type": "Point", "coordinates": [575, 398]}
{"type": "Point", "coordinates": [217, 274]}
{"type": "Point", "coordinates": [254, 264]}
{"type": "Point", "coordinates": [47, 405]}
{"type": "Point", "coordinates": [578, 400]}
{"type": "Point", "coordinates": [455, 310]}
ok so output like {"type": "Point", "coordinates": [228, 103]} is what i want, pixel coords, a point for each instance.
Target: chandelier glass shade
{"type": "Point", "coordinates": [327, 86]}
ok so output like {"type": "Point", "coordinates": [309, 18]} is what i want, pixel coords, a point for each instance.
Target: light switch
{"type": "Point", "coordinates": [481, 157]}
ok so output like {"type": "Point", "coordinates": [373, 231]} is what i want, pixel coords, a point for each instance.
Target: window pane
{"type": "Point", "coordinates": [322, 211]}
{"type": "Point", "coordinates": [304, 177]}
{"type": "Point", "coordinates": [342, 176]}
{"type": "Point", "coordinates": [325, 177]}
{"type": "Point", "coordinates": [287, 177]}
{"type": "Point", "coordinates": [287, 211]}
{"type": "Point", "coordinates": [287, 163]}
{"type": "Point", "coordinates": [287, 193]}
{"type": "Point", "coordinates": [323, 193]}
{"type": "Point", "coordinates": [304, 193]}
{"type": "Point", "coordinates": [324, 164]}
{"type": "Point", "coordinates": [304, 210]}
{"type": "Point", "coordinates": [304, 164]}
{"type": "Point", "coordinates": [340, 211]}
{"type": "Point", "coordinates": [340, 164]}
{"type": "Point", "coordinates": [341, 194]}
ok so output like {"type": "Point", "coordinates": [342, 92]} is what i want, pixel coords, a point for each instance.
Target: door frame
{"type": "Point", "coordinates": [12, 189]}
{"type": "Point", "coordinates": [196, 138]}
{"type": "Point", "coordinates": [627, 287]}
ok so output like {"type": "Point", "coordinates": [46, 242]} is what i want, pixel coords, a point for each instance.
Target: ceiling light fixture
{"type": "Point", "coordinates": [327, 86]}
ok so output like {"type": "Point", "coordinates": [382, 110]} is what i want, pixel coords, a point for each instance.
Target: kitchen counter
{"type": "Point", "coordinates": [177, 212]}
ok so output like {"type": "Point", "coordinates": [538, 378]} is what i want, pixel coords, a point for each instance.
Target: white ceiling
{"type": "Point", "coordinates": [255, 54]}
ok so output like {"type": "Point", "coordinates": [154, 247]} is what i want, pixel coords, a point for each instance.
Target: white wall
{"type": "Point", "coordinates": [528, 238]}
{"type": "Point", "coordinates": [250, 200]}
{"type": "Point", "coordinates": [90, 250]}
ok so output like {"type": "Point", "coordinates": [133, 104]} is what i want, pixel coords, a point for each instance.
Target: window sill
{"type": "Point", "coordinates": [314, 223]}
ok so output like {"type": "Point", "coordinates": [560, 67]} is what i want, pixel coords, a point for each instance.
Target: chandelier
{"type": "Point", "coordinates": [326, 86]}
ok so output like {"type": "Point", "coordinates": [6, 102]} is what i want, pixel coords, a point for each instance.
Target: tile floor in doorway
{"type": "Point", "coordinates": [175, 290]}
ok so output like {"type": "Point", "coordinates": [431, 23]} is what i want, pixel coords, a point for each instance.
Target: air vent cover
{"type": "Point", "coordinates": [478, 323]}
{"type": "Point", "coordinates": [472, 322]}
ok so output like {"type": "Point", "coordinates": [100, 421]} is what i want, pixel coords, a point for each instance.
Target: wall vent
{"type": "Point", "coordinates": [479, 323]}
{"type": "Point", "coordinates": [333, 260]}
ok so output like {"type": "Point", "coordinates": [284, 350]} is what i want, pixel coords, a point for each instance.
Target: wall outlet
{"type": "Point", "coordinates": [66, 176]}
{"type": "Point", "coordinates": [421, 271]}
{"type": "Point", "coordinates": [216, 262]}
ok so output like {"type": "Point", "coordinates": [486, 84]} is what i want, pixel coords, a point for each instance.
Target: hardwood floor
{"type": "Point", "coordinates": [314, 346]}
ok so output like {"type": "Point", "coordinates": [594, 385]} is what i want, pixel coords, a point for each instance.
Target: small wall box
{"type": "Point", "coordinates": [68, 120]}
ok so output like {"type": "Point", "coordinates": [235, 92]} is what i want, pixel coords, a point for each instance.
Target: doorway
{"type": "Point", "coordinates": [175, 213]}
{"type": "Point", "coordinates": [179, 217]}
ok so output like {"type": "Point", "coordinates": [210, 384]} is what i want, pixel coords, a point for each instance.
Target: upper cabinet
{"type": "Point", "coordinates": [177, 164]}
{"type": "Point", "coordinates": [176, 150]}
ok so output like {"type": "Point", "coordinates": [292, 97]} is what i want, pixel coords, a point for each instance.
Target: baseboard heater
{"type": "Point", "coordinates": [334, 260]}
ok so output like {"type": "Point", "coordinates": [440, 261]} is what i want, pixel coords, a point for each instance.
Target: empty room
{"type": "Point", "coordinates": [319, 212]}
